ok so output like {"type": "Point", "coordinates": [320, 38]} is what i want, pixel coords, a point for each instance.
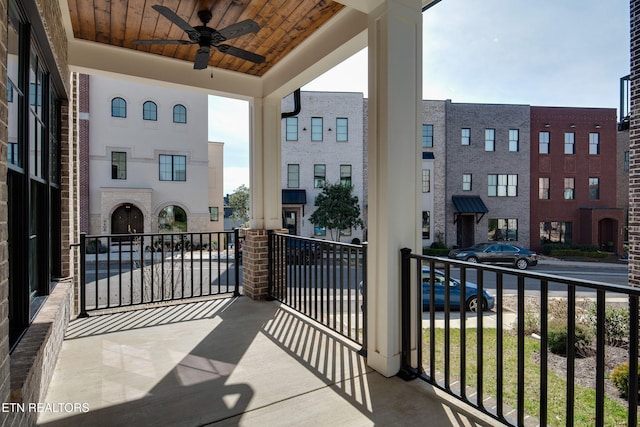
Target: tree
{"type": "Point", "coordinates": [336, 209]}
{"type": "Point", "coordinates": [239, 204]}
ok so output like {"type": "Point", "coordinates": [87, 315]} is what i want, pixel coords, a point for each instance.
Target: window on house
{"type": "Point", "coordinates": [118, 107]}
{"type": "Point", "coordinates": [179, 113]}
{"type": "Point", "coordinates": [293, 176]}
{"type": "Point", "coordinates": [426, 180]}
{"type": "Point", "coordinates": [345, 175]}
{"type": "Point", "coordinates": [501, 229]}
{"type": "Point", "coordinates": [427, 136]}
{"type": "Point", "coordinates": [594, 143]}
{"type": "Point", "coordinates": [489, 140]}
{"type": "Point", "coordinates": [626, 160]}
{"type": "Point", "coordinates": [569, 143]}
{"type": "Point", "coordinates": [118, 165]}
{"type": "Point", "coordinates": [514, 140]}
{"type": "Point", "coordinates": [594, 188]}
{"type": "Point", "coordinates": [426, 224]}
{"type": "Point", "coordinates": [465, 136]}
{"type": "Point", "coordinates": [569, 188]}
{"type": "Point", "coordinates": [33, 187]}
{"type": "Point", "coordinates": [503, 185]}
{"type": "Point", "coordinates": [316, 128]}
{"type": "Point", "coordinates": [213, 213]}
{"type": "Point", "coordinates": [150, 111]}
{"type": "Point", "coordinates": [466, 182]}
{"type": "Point", "coordinates": [543, 139]}
{"type": "Point", "coordinates": [543, 188]}
{"type": "Point", "coordinates": [172, 219]}
{"type": "Point", "coordinates": [342, 129]}
{"type": "Point", "coordinates": [173, 167]}
{"type": "Point", "coordinates": [556, 232]}
{"type": "Point", "coordinates": [291, 124]}
{"type": "Point", "coordinates": [319, 175]}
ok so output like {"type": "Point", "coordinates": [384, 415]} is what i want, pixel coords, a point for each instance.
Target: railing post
{"type": "Point", "coordinates": [236, 256]}
{"type": "Point", "coordinates": [270, 238]}
{"type": "Point", "coordinates": [407, 372]}
{"type": "Point", "coordinates": [363, 350]}
{"type": "Point", "coordinates": [83, 276]}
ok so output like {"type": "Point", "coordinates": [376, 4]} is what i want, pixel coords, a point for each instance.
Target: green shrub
{"type": "Point", "coordinates": [547, 248]}
{"type": "Point", "coordinates": [577, 252]}
{"type": "Point", "coordinates": [557, 337]}
{"type": "Point", "coordinates": [438, 245]}
{"type": "Point", "coordinates": [435, 252]}
{"type": "Point", "coordinates": [620, 378]}
{"type": "Point", "coordinates": [616, 323]}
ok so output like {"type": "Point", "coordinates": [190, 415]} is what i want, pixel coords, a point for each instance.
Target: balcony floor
{"type": "Point", "coordinates": [230, 362]}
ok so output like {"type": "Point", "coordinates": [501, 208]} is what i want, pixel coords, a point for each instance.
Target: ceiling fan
{"type": "Point", "coordinates": [207, 37]}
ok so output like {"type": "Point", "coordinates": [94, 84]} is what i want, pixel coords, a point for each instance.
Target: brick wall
{"type": "Point", "coordinates": [34, 359]}
{"type": "Point", "coordinates": [255, 257]}
{"type": "Point", "coordinates": [83, 146]}
{"type": "Point", "coordinates": [634, 149]}
{"type": "Point", "coordinates": [4, 261]}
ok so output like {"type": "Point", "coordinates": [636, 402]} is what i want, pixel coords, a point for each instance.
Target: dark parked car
{"type": "Point", "coordinates": [497, 253]}
{"type": "Point", "coordinates": [301, 251]}
{"type": "Point", "coordinates": [470, 303]}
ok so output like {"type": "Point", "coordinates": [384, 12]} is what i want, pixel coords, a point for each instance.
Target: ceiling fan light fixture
{"type": "Point", "coordinates": [207, 37]}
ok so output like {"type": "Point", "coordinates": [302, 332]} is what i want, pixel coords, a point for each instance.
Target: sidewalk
{"type": "Point", "coordinates": [594, 264]}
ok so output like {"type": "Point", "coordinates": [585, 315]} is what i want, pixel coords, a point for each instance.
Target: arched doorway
{"type": "Point", "coordinates": [608, 234]}
{"type": "Point", "coordinates": [127, 219]}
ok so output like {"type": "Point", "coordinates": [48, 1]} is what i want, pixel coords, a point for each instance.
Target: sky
{"type": "Point", "coordinates": [569, 53]}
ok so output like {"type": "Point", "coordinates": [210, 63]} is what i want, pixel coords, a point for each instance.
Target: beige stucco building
{"type": "Point", "coordinates": [151, 167]}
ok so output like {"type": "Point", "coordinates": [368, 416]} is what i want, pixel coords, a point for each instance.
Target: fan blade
{"type": "Point", "coordinates": [241, 53]}
{"type": "Point", "coordinates": [239, 29]}
{"type": "Point", "coordinates": [202, 59]}
{"type": "Point", "coordinates": [162, 42]}
{"type": "Point", "coordinates": [171, 16]}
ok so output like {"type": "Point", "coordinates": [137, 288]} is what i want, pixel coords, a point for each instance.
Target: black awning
{"type": "Point", "coordinates": [469, 205]}
{"type": "Point", "coordinates": [294, 197]}
{"type": "Point", "coordinates": [427, 155]}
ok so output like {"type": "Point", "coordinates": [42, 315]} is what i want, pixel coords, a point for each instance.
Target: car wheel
{"type": "Point", "coordinates": [472, 304]}
{"type": "Point", "coordinates": [522, 264]}
{"type": "Point", "coordinates": [472, 259]}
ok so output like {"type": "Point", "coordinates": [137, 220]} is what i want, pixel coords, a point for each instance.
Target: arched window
{"type": "Point", "coordinates": [118, 107]}
{"type": "Point", "coordinates": [172, 219]}
{"type": "Point", "coordinates": [179, 114]}
{"type": "Point", "coordinates": [150, 111]}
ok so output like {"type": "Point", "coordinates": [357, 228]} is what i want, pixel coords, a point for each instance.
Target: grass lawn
{"type": "Point", "coordinates": [585, 398]}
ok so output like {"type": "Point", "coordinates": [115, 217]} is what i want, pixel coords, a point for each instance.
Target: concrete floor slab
{"type": "Point", "coordinates": [230, 362]}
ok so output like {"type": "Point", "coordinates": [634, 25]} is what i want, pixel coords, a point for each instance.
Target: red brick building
{"type": "Point", "coordinates": [573, 178]}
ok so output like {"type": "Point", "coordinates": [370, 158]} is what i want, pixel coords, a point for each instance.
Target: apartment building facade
{"type": "Point", "coordinates": [485, 175]}
{"type": "Point", "coordinates": [487, 195]}
{"type": "Point", "coordinates": [323, 143]}
{"type": "Point", "coordinates": [574, 176]}
{"type": "Point", "coordinates": [151, 166]}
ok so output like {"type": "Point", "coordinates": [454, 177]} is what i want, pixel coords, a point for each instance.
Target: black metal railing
{"type": "Point", "coordinates": [499, 360]}
{"type": "Point", "coordinates": [119, 270]}
{"type": "Point", "coordinates": [323, 280]}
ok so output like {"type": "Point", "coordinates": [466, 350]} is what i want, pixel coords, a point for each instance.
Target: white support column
{"type": "Point", "coordinates": [395, 93]}
{"type": "Point", "coordinates": [264, 160]}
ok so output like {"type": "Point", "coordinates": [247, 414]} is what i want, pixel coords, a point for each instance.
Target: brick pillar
{"type": "Point", "coordinates": [634, 148]}
{"type": "Point", "coordinates": [255, 263]}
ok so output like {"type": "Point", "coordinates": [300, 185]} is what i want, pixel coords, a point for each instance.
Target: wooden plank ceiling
{"type": "Point", "coordinates": [284, 24]}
